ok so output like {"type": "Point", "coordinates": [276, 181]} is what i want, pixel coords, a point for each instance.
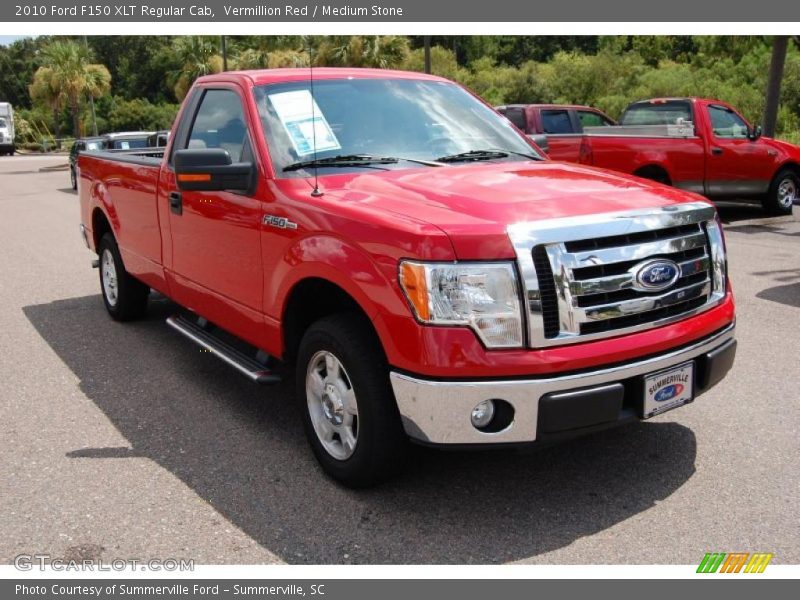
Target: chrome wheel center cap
{"type": "Point", "coordinates": [332, 405]}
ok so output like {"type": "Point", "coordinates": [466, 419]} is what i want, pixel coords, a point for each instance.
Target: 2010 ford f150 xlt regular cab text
{"type": "Point", "coordinates": [408, 251]}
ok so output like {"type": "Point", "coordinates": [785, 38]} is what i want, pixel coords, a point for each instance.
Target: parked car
{"type": "Point", "coordinates": [158, 139]}
{"type": "Point", "coordinates": [78, 146]}
{"type": "Point", "coordinates": [126, 140]}
{"type": "Point", "coordinates": [7, 145]}
{"type": "Point", "coordinates": [422, 273]}
{"type": "Point", "coordinates": [556, 128]}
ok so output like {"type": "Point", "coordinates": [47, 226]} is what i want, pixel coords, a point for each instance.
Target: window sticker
{"type": "Point", "coordinates": [125, 145]}
{"type": "Point", "coordinates": [303, 124]}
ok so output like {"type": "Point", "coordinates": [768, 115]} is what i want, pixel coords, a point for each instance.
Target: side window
{"type": "Point", "coordinates": [556, 121]}
{"type": "Point", "coordinates": [516, 115]}
{"type": "Point", "coordinates": [219, 123]}
{"type": "Point", "coordinates": [589, 118]}
{"type": "Point", "coordinates": [726, 123]}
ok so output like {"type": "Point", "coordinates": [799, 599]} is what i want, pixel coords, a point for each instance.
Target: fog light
{"type": "Point", "coordinates": [483, 414]}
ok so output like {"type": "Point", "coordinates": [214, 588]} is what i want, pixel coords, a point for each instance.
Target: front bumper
{"type": "Point", "coordinates": [438, 412]}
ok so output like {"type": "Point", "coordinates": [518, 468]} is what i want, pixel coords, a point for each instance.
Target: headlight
{"type": "Point", "coordinates": [483, 296]}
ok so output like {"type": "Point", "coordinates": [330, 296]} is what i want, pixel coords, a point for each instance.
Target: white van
{"type": "Point", "coordinates": [6, 128]}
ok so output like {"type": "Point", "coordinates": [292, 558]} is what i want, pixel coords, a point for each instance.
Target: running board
{"type": "Point", "coordinates": [249, 367]}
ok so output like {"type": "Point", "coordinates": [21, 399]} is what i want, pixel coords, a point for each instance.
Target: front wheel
{"type": "Point", "coordinates": [783, 192]}
{"type": "Point", "coordinates": [125, 296]}
{"type": "Point", "coordinates": [349, 413]}
{"type": "Point", "coordinates": [72, 179]}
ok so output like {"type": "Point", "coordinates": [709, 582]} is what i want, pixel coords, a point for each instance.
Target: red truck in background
{"type": "Point", "coordinates": [411, 259]}
{"type": "Point", "coordinates": [556, 128]}
{"type": "Point", "coordinates": [695, 144]}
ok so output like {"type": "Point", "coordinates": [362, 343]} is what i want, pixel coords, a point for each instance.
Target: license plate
{"type": "Point", "coordinates": [668, 389]}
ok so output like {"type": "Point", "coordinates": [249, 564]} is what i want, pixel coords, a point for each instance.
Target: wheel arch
{"type": "Point", "coordinates": [313, 298]}
{"type": "Point", "coordinates": [100, 226]}
{"type": "Point", "coordinates": [655, 172]}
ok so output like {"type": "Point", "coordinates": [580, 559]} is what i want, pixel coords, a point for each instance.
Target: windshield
{"type": "Point", "coordinates": [404, 118]}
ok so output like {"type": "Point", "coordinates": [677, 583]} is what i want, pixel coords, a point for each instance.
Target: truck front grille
{"type": "Point", "coordinates": [581, 274]}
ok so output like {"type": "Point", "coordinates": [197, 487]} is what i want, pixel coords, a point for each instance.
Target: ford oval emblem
{"type": "Point", "coordinates": [655, 275]}
{"type": "Point", "coordinates": [668, 393]}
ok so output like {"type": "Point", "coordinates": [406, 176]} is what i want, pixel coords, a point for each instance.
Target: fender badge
{"type": "Point", "coordinates": [279, 222]}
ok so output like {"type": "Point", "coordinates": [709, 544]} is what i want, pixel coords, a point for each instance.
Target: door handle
{"type": "Point", "coordinates": [716, 151]}
{"type": "Point", "coordinates": [176, 203]}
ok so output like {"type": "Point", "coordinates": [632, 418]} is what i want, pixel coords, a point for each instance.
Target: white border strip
{"type": "Point", "coordinates": [322, 572]}
{"type": "Point", "coordinates": [399, 28]}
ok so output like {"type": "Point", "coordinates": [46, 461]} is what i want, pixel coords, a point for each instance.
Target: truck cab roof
{"type": "Point", "coordinates": [267, 76]}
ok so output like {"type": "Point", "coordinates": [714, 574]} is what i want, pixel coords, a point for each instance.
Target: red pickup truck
{"type": "Point", "coordinates": [556, 128]}
{"type": "Point", "coordinates": [408, 253]}
{"type": "Point", "coordinates": [696, 144]}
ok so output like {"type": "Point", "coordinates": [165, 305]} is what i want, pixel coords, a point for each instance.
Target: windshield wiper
{"type": "Point", "coordinates": [356, 160]}
{"type": "Point", "coordinates": [488, 154]}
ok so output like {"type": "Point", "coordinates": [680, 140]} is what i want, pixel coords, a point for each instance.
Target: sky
{"type": "Point", "coordinates": [5, 40]}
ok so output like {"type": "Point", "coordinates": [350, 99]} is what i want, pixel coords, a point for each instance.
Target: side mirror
{"type": "Point", "coordinates": [754, 133]}
{"type": "Point", "coordinates": [212, 170]}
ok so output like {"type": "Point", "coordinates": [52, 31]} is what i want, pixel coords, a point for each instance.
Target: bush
{"type": "Point", "coordinates": [118, 114]}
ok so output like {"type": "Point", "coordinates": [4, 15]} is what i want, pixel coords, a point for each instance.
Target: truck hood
{"type": "Point", "coordinates": [475, 204]}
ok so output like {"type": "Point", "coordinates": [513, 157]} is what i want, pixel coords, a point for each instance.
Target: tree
{"type": "Point", "coordinates": [197, 56]}
{"type": "Point", "coordinates": [377, 51]}
{"type": "Point", "coordinates": [44, 90]}
{"type": "Point", "coordinates": [137, 64]}
{"type": "Point", "coordinates": [72, 77]}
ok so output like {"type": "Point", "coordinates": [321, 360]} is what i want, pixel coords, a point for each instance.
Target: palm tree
{"type": "Point", "coordinates": [197, 56]}
{"type": "Point", "coordinates": [272, 52]}
{"type": "Point", "coordinates": [71, 76]}
{"type": "Point", "coordinates": [42, 90]}
{"type": "Point", "coordinates": [377, 51]}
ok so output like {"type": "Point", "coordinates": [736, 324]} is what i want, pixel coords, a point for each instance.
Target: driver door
{"type": "Point", "coordinates": [736, 165]}
{"type": "Point", "coordinates": [216, 249]}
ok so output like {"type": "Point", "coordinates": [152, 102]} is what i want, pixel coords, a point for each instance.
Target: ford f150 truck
{"type": "Point", "coordinates": [406, 253]}
{"type": "Point", "coordinates": [696, 144]}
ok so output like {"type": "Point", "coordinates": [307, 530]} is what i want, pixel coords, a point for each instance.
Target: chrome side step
{"type": "Point", "coordinates": [249, 367]}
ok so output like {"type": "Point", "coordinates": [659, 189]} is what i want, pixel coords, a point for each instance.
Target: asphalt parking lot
{"type": "Point", "coordinates": [125, 441]}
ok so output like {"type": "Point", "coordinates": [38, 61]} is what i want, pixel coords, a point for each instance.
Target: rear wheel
{"type": "Point", "coordinates": [349, 413]}
{"type": "Point", "coordinates": [783, 192]}
{"type": "Point", "coordinates": [125, 297]}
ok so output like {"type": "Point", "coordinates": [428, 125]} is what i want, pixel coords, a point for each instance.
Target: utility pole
{"type": "Point", "coordinates": [427, 44]}
{"type": "Point", "coordinates": [779, 46]}
{"type": "Point", "coordinates": [224, 53]}
{"type": "Point", "coordinates": [91, 99]}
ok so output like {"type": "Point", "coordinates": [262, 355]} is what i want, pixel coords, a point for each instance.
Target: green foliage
{"type": "Point", "coordinates": [149, 73]}
{"type": "Point", "coordinates": [376, 51]}
{"type": "Point", "coordinates": [117, 114]}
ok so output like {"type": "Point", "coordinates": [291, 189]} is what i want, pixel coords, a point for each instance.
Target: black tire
{"type": "Point", "coordinates": [775, 202]}
{"type": "Point", "coordinates": [381, 443]}
{"type": "Point", "coordinates": [73, 180]}
{"type": "Point", "coordinates": [129, 300]}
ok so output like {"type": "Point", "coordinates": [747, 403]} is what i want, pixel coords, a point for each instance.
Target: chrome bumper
{"type": "Point", "coordinates": [438, 412]}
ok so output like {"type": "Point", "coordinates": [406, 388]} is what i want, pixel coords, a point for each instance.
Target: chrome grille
{"type": "Point", "coordinates": [581, 273]}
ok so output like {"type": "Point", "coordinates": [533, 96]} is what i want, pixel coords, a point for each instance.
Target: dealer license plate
{"type": "Point", "coordinates": [668, 389]}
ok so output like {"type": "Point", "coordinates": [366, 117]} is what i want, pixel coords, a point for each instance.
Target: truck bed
{"type": "Point", "coordinates": [146, 156]}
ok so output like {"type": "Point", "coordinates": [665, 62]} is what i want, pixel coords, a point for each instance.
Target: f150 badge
{"type": "Point", "coordinates": [279, 222]}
